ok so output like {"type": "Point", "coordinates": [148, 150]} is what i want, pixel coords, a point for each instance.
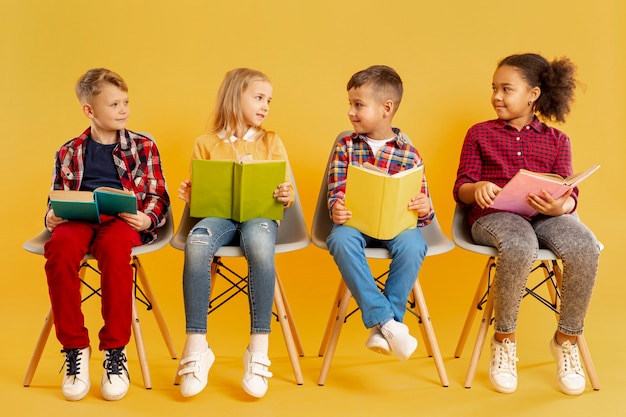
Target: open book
{"type": "Point", "coordinates": [379, 201]}
{"type": "Point", "coordinates": [88, 206]}
{"type": "Point", "coordinates": [512, 197]}
{"type": "Point", "coordinates": [236, 190]}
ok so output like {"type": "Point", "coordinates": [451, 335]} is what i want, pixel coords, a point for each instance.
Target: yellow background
{"type": "Point", "coordinates": [173, 55]}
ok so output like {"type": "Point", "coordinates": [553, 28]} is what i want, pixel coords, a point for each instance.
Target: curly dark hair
{"type": "Point", "coordinates": [556, 79]}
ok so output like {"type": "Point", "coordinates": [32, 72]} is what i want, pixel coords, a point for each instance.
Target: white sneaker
{"type": "Point", "coordinates": [255, 373]}
{"type": "Point", "coordinates": [401, 342]}
{"type": "Point", "coordinates": [569, 371]}
{"type": "Point", "coordinates": [115, 380]}
{"type": "Point", "coordinates": [76, 381]}
{"type": "Point", "coordinates": [502, 366]}
{"type": "Point", "coordinates": [195, 372]}
{"type": "Point", "coordinates": [377, 342]}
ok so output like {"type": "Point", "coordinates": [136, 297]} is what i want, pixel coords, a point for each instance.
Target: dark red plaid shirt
{"type": "Point", "coordinates": [138, 165]}
{"type": "Point", "coordinates": [494, 151]}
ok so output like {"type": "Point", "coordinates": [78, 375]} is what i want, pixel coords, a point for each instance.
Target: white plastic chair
{"type": "Point", "coordinates": [437, 242]}
{"type": "Point", "coordinates": [142, 293]}
{"type": "Point", "coordinates": [292, 235]}
{"type": "Point", "coordinates": [547, 261]}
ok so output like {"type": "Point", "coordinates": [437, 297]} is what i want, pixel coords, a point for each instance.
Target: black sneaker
{"type": "Point", "coordinates": [115, 380]}
{"type": "Point", "coordinates": [76, 381]}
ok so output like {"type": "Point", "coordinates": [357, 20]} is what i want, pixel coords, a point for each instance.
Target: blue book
{"type": "Point", "coordinates": [88, 206]}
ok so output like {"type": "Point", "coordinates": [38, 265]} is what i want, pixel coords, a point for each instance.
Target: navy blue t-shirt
{"type": "Point", "coordinates": [100, 170]}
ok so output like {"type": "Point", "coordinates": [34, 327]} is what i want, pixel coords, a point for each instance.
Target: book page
{"type": "Point", "coordinates": [253, 195]}
{"type": "Point", "coordinates": [364, 198]}
{"type": "Point", "coordinates": [513, 195]}
{"type": "Point", "coordinates": [399, 189]}
{"type": "Point", "coordinates": [211, 188]}
{"type": "Point", "coordinates": [112, 201]}
{"type": "Point", "coordinates": [74, 205]}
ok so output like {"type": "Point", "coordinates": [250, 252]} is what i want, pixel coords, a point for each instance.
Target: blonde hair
{"type": "Point", "coordinates": [90, 84]}
{"type": "Point", "coordinates": [228, 113]}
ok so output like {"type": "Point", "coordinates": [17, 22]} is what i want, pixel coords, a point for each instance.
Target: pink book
{"type": "Point", "coordinates": [512, 197]}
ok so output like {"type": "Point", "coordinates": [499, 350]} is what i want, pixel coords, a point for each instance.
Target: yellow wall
{"type": "Point", "coordinates": [173, 54]}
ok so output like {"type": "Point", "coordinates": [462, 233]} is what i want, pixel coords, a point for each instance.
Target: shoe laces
{"type": "Point", "coordinates": [504, 356]}
{"type": "Point", "coordinates": [114, 363]}
{"type": "Point", "coordinates": [72, 361]}
{"type": "Point", "coordinates": [570, 359]}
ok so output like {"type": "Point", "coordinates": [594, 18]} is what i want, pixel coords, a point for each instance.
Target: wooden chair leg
{"type": "Point", "coordinates": [43, 338]}
{"type": "Point", "coordinates": [422, 328]}
{"type": "Point", "coordinates": [431, 339]}
{"type": "Point", "coordinates": [158, 315]}
{"type": "Point", "coordinates": [39, 347]}
{"type": "Point", "coordinates": [480, 342]}
{"type": "Point", "coordinates": [334, 337]}
{"type": "Point", "coordinates": [292, 323]}
{"type": "Point", "coordinates": [588, 362]}
{"type": "Point", "coordinates": [287, 334]}
{"type": "Point", "coordinates": [141, 350]}
{"type": "Point", "coordinates": [331, 319]}
{"type": "Point", "coordinates": [469, 320]}
{"type": "Point", "coordinates": [585, 354]}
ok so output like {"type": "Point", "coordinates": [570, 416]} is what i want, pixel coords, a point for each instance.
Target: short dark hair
{"type": "Point", "coordinates": [385, 82]}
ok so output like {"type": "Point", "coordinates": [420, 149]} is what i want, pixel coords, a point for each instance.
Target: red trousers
{"type": "Point", "coordinates": [110, 243]}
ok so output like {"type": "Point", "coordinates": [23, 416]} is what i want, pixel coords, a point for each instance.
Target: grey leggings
{"type": "Point", "coordinates": [518, 241]}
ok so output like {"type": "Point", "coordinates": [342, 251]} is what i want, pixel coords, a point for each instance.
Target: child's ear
{"type": "Point", "coordinates": [535, 93]}
{"type": "Point", "coordinates": [389, 107]}
{"type": "Point", "coordinates": [87, 110]}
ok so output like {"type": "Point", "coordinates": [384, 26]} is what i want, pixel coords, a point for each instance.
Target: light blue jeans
{"type": "Point", "coordinates": [518, 242]}
{"type": "Point", "coordinates": [408, 249]}
{"type": "Point", "coordinates": [257, 238]}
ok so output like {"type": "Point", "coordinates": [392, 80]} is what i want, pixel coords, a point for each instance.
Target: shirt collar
{"type": "Point", "coordinates": [535, 124]}
{"type": "Point", "coordinates": [248, 136]}
{"type": "Point", "coordinates": [399, 138]}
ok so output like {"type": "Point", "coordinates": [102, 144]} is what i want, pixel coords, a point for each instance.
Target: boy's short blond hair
{"type": "Point", "coordinates": [385, 82]}
{"type": "Point", "coordinates": [90, 84]}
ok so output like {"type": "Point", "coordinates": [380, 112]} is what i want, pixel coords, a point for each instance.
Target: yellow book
{"type": "Point", "coordinates": [379, 201]}
{"type": "Point", "coordinates": [236, 190]}
{"type": "Point", "coordinates": [513, 195]}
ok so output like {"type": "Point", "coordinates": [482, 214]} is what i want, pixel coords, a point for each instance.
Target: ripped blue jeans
{"type": "Point", "coordinates": [518, 241]}
{"type": "Point", "coordinates": [257, 238]}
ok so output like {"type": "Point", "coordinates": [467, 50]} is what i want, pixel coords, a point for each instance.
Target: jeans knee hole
{"type": "Point", "coordinates": [197, 236]}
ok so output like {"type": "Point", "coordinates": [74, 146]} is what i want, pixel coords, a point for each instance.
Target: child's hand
{"type": "Point", "coordinates": [421, 204]}
{"type": "Point", "coordinates": [53, 221]}
{"type": "Point", "coordinates": [283, 192]}
{"type": "Point", "coordinates": [139, 221]}
{"type": "Point", "coordinates": [485, 192]}
{"type": "Point", "coordinates": [184, 191]}
{"type": "Point", "coordinates": [549, 206]}
{"type": "Point", "coordinates": [340, 214]}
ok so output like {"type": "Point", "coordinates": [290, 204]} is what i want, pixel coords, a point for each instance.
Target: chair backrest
{"type": "Point", "coordinates": [436, 240]}
{"type": "Point", "coordinates": [292, 233]}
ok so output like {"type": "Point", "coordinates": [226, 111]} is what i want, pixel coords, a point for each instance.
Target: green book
{"type": "Point", "coordinates": [236, 190]}
{"type": "Point", "coordinates": [88, 206]}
